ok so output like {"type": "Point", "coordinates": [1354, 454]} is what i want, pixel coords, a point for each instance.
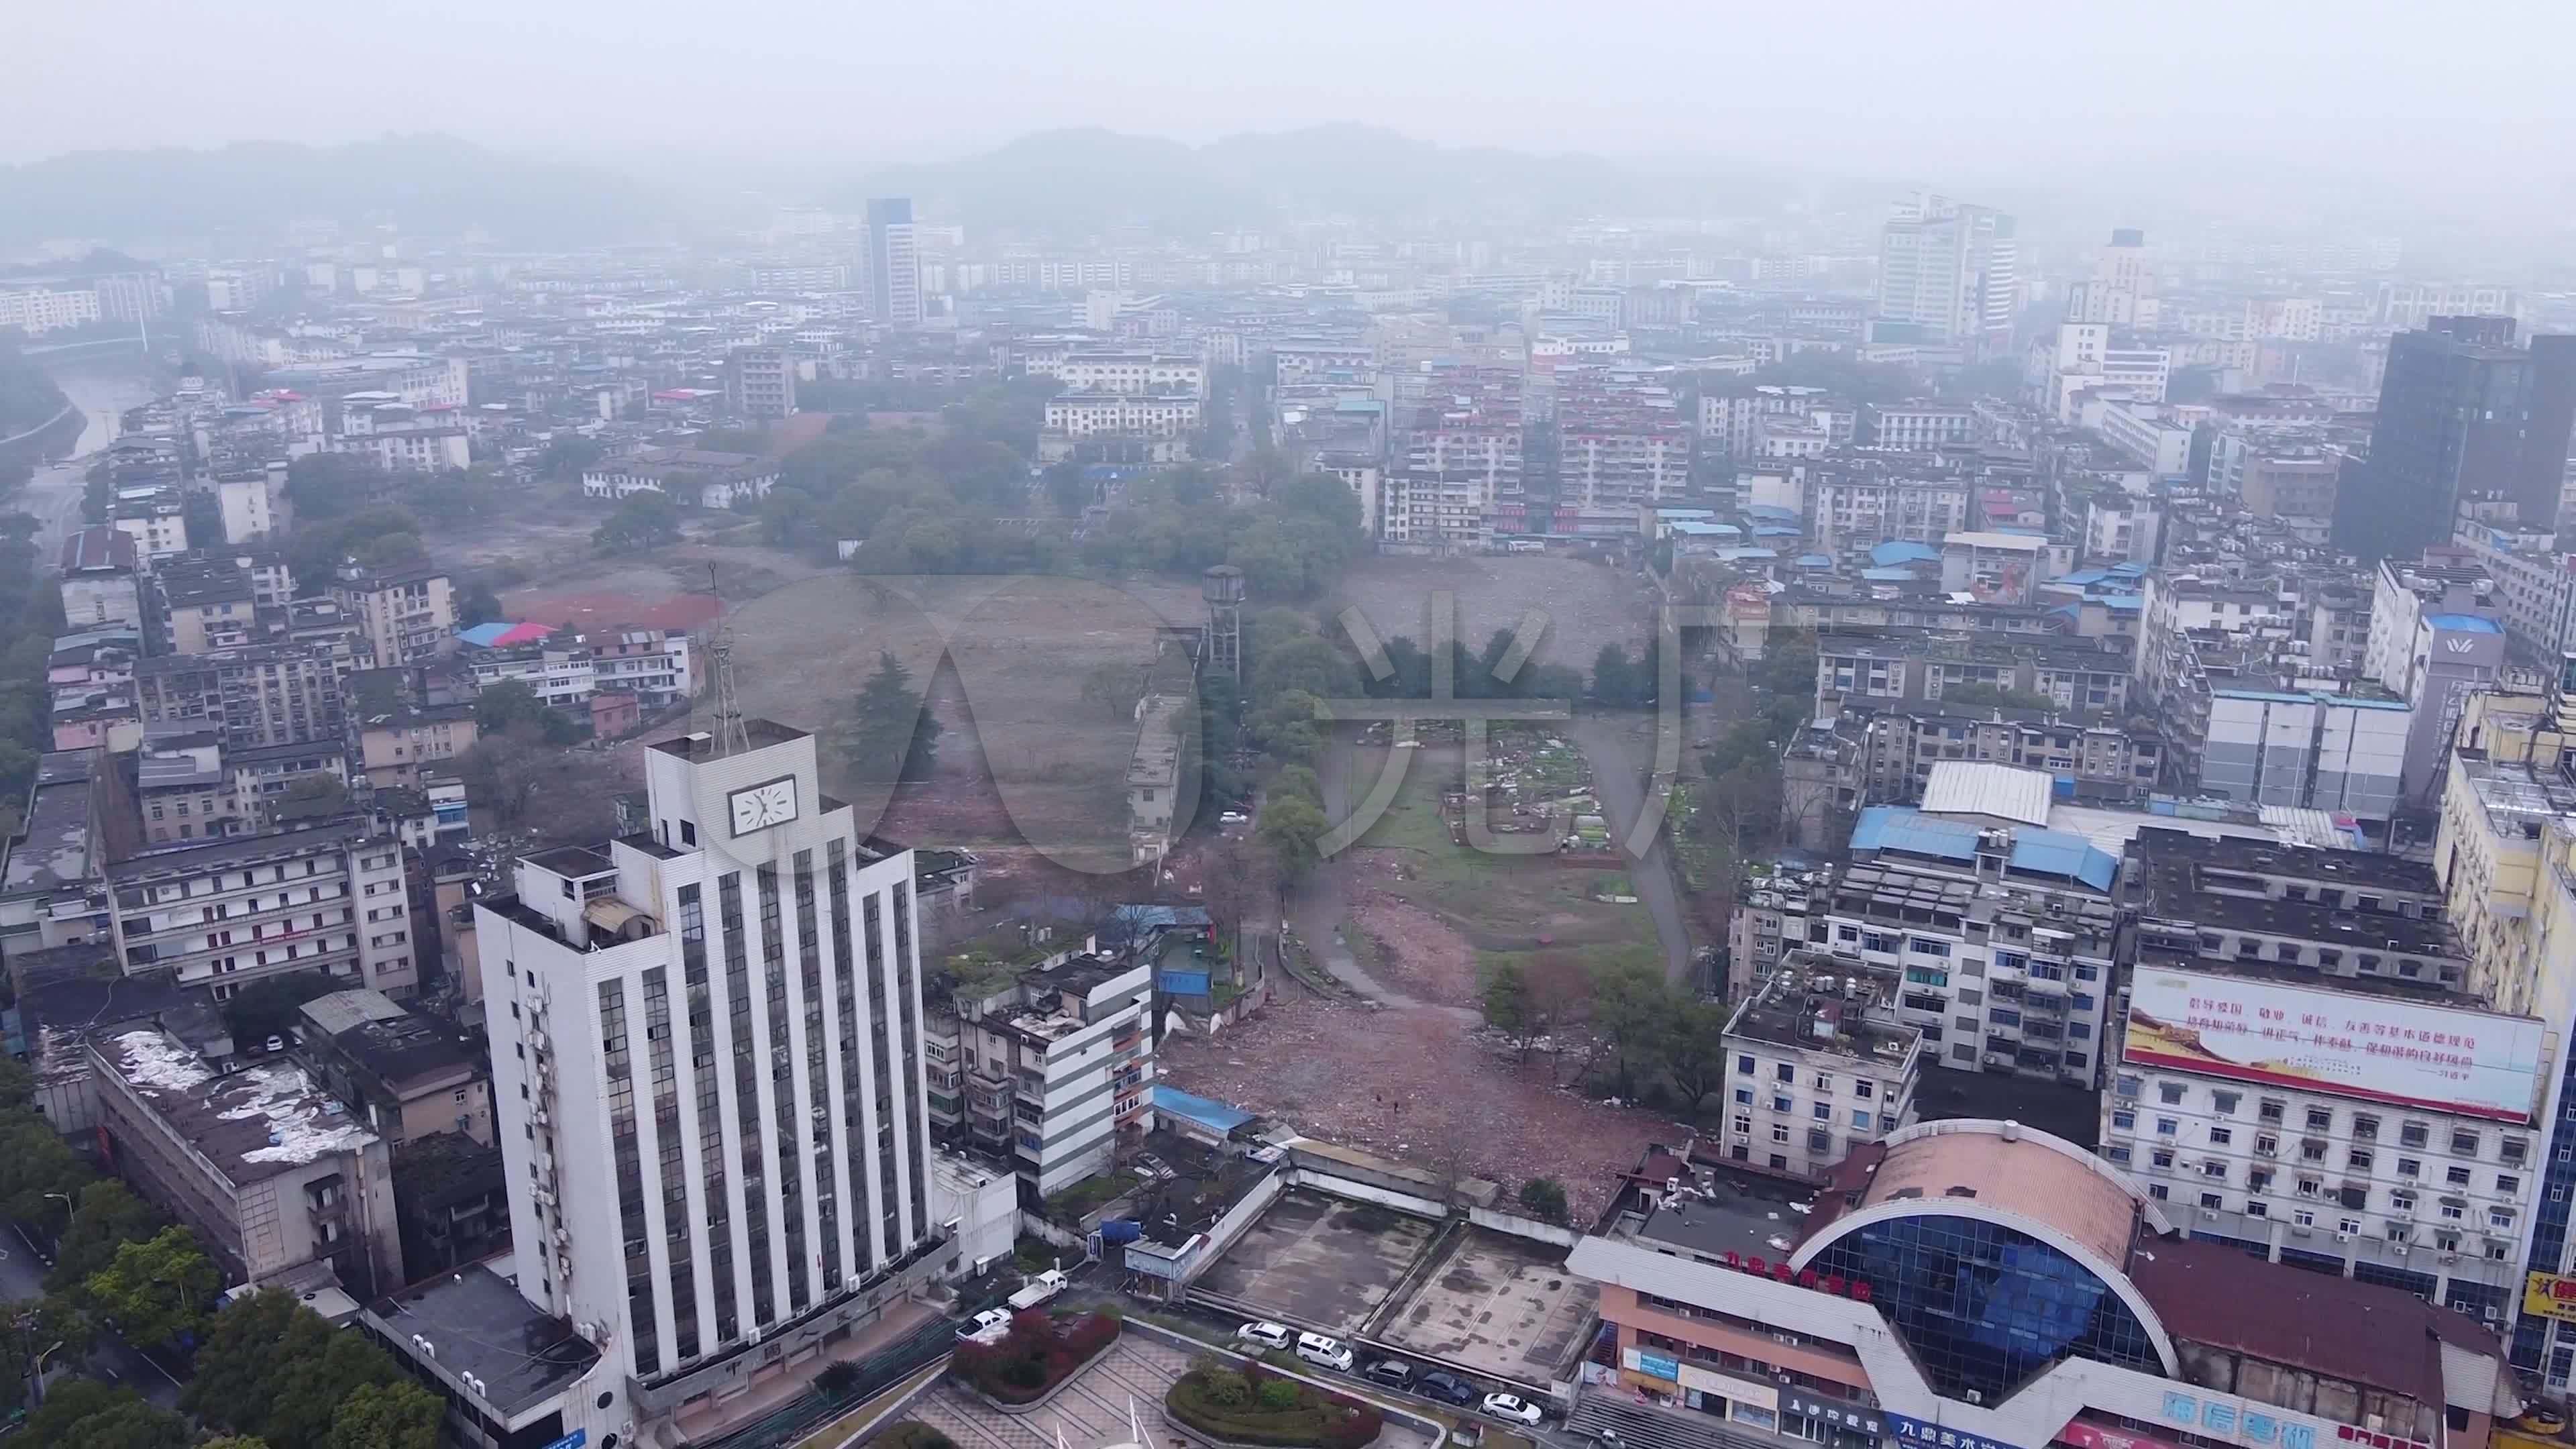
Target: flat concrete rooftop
{"type": "Point", "coordinates": [1497, 1304]}
{"type": "Point", "coordinates": [1320, 1262]}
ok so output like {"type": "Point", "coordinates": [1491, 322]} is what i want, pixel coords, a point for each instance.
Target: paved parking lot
{"type": "Point", "coordinates": [1093, 1412]}
{"type": "Point", "coordinates": [1497, 1304]}
{"type": "Point", "coordinates": [1320, 1262]}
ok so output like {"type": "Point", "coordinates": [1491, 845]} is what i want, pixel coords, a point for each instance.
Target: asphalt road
{"type": "Point", "coordinates": [1621, 748]}
{"type": "Point", "coordinates": [22, 1277]}
{"type": "Point", "coordinates": [54, 496]}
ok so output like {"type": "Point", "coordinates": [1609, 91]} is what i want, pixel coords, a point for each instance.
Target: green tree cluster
{"type": "Point", "coordinates": [1622, 680]}
{"type": "Point", "coordinates": [890, 732]}
{"type": "Point", "coordinates": [646, 520]}
{"type": "Point", "coordinates": [31, 614]}
{"type": "Point", "coordinates": [87, 1414]}
{"type": "Point", "coordinates": [272, 1368]}
{"type": "Point", "coordinates": [1476, 675]}
{"type": "Point", "coordinates": [920, 496]}
{"type": "Point", "coordinates": [1292, 544]}
{"type": "Point", "coordinates": [510, 707]}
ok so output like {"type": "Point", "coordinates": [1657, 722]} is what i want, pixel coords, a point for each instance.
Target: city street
{"type": "Point", "coordinates": [22, 1279]}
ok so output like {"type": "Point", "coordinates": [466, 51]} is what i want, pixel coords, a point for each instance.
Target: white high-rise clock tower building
{"type": "Point", "coordinates": [706, 1051]}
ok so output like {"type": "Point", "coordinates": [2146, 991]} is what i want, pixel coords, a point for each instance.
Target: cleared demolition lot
{"type": "Point", "coordinates": [1488, 1302]}
{"type": "Point", "coordinates": [1321, 1262]}
{"type": "Point", "coordinates": [1498, 1304]}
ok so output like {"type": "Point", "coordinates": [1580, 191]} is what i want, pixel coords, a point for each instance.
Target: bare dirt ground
{"type": "Point", "coordinates": [1586, 604]}
{"type": "Point", "coordinates": [1417, 1086]}
{"type": "Point", "coordinates": [1414, 951]}
{"type": "Point", "coordinates": [1022, 759]}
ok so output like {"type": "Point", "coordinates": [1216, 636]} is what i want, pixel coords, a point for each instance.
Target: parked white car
{"type": "Point", "coordinates": [1512, 1409]}
{"type": "Point", "coordinates": [1264, 1334]}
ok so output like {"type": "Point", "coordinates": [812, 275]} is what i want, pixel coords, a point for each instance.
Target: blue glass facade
{"type": "Point", "coordinates": [2549, 1229]}
{"type": "Point", "coordinates": [1986, 1308]}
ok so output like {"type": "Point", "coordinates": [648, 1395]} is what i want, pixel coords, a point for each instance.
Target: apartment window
{"type": "Point", "coordinates": [2304, 1218]}
{"type": "Point", "coordinates": [2225, 1102]}
{"type": "Point", "coordinates": [2410, 1167]}
{"type": "Point", "coordinates": [2320, 1120]}
{"type": "Point", "coordinates": [2456, 1176]}
{"type": "Point", "coordinates": [2167, 1127]}
{"type": "Point", "coordinates": [2365, 1127]}
{"type": "Point", "coordinates": [1743, 1066]}
{"type": "Point", "coordinates": [2214, 1167]}
{"type": "Point", "coordinates": [2414, 1134]}
{"type": "Point", "coordinates": [2507, 1183]}
{"type": "Point", "coordinates": [2347, 1225]}
{"type": "Point", "coordinates": [2464, 1144]}
{"type": "Point", "coordinates": [2266, 1145]}
{"type": "Point", "coordinates": [1780, 1132]}
{"type": "Point", "coordinates": [1744, 1096]}
{"type": "Point", "coordinates": [1783, 1104]}
{"type": "Point", "coordinates": [2162, 1157]}
{"type": "Point", "coordinates": [2124, 1120]}
{"type": "Point", "coordinates": [2311, 1187]}
{"type": "Point", "coordinates": [2220, 1137]}
{"type": "Point", "coordinates": [2170, 1093]}
{"type": "Point", "coordinates": [2512, 1149]}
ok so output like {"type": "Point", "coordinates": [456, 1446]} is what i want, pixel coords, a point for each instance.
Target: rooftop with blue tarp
{"type": "Point", "coordinates": [1901, 551]}
{"type": "Point", "coordinates": [1889, 576]}
{"type": "Point", "coordinates": [2054, 852]}
{"type": "Point", "coordinates": [1217, 1117]}
{"type": "Point", "coordinates": [1902, 827]}
{"type": "Point", "coordinates": [1814, 561]}
{"type": "Point", "coordinates": [2464, 623]}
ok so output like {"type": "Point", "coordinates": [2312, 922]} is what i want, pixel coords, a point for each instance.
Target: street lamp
{"type": "Point", "coordinates": [36, 1380]}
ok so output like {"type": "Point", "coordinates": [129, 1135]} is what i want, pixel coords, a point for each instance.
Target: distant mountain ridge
{"type": "Point", "coordinates": [1094, 179]}
{"type": "Point", "coordinates": [430, 183]}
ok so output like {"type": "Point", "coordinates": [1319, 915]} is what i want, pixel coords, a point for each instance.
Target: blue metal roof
{"type": "Point", "coordinates": [1771, 510]}
{"type": "Point", "coordinates": [2055, 852]}
{"type": "Point", "coordinates": [1901, 827]}
{"type": "Point", "coordinates": [1214, 1115]}
{"type": "Point", "coordinates": [1898, 551]}
{"type": "Point", "coordinates": [1697, 528]}
{"type": "Point", "coordinates": [2464, 623]}
{"type": "Point", "coordinates": [1888, 576]}
{"type": "Point", "coordinates": [1776, 530]}
{"type": "Point", "coordinates": [1814, 561]}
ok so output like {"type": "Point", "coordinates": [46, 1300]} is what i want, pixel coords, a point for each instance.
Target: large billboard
{"type": "Point", "coordinates": [2380, 1049]}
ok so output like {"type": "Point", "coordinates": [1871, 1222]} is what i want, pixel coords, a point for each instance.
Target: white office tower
{"type": "Point", "coordinates": [706, 1040]}
{"type": "Point", "coordinates": [1952, 270]}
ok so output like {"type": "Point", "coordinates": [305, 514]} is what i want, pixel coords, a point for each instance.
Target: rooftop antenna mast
{"type": "Point", "coordinates": [731, 734]}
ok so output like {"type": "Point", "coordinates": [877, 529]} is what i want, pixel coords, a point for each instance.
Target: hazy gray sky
{"type": "Point", "coordinates": [1970, 89]}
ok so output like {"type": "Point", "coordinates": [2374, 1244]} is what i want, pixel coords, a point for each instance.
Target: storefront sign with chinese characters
{"type": "Point", "coordinates": [1848, 1417]}
{"type": "Point", "coordinates": [1938, 1436]}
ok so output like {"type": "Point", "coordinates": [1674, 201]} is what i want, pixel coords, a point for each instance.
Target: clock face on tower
{"type": "Point", "coordinates": [758, 807]}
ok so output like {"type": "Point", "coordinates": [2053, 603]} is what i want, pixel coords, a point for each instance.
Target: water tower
{"type": "Point", "coordinates": [1223, 589]}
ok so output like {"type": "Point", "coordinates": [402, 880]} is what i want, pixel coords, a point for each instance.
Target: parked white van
{"type": "Point", "coordinates": [1332, 1353]}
